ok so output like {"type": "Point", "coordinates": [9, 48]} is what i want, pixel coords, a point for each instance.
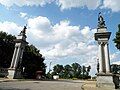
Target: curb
{"type": "Point", "coordinates": [89, 86]}
{"type": "Point", "coordinates": [82, 87]}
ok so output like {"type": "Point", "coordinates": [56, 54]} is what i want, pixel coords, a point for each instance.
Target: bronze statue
{"type": "Point", "coordinates": [101, 22]}
{"type": "Point", "coordinates": [24, 30]}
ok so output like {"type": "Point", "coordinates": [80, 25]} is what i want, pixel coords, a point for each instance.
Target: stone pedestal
{"type": "Point", "coordinates": [105, 80]}
{"type": "Point", "coordinates": [14, 74]}
{"type": "Point", "coordinates": [11, 73]}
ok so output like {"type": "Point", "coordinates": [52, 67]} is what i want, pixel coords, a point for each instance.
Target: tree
{"type": "Point", "coordinates": [76, 68]}
{"type": "Point", "coordinates": [57, 69]}
{"type": "Point", "coordinates": [6, 49]}
{"type": "Point", "coordinates": [83, 71]}
{"type": "Point", "coordinates": [71, 71]}
{"type": "Point", "coordinates": [88, 70]}
{"type": "Point", "coordinates": [117, 38]}
{"type": "Point", "coordinates": [68, 71]}
{"type": "Point", "coordinates": [32, 62]}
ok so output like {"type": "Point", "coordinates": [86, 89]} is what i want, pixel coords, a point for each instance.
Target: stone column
{"type": "Point", "coordinates": [100, 58]}
{"type": "Point", "coordinates": [107, 59]}
{"type": "Point", "coordinates": [17, 56]}
{"type": "Point", "coordinates": [13, 59]}
{"type": "Point", "coordinates": [22, 50]}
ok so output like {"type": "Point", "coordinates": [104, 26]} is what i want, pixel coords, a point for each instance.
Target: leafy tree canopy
{"type": "Point", "coordinates": [117, 38]}
{"type": "Point", "coordinates": [71, 71]}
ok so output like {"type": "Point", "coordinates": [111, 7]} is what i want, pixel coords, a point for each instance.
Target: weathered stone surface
{"type": "Point", "coordinates": [105, 81]}
{"type": "Point", "coordinates": [11, 73]}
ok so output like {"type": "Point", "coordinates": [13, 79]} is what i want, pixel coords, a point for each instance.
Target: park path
{"type": "Point", "coordinates": [42, 85]}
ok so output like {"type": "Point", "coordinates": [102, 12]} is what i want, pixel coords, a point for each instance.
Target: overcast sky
{"type": "Point", "coordinates": [63, 30]}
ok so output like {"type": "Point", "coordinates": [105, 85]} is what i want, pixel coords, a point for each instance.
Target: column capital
{"type": "Point", "coordinates": [103, 43]}
{"type": "Point", "coordinates": [100, 43]}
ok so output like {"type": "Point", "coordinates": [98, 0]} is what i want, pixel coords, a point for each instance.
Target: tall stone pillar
{"type": "Point", "coordinates": [100, 58]}
{"type": "Point", "coordinates": [107, 58]}
{"type": "Point", "coordinates": [20, 43]}
{"type": "Point", "coordinates": [104, 77]}
{"type": "Point", "coordinates": [13, 59]}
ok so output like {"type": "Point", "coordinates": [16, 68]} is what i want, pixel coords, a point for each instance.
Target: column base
{"type": "Point", "coordinates": [14, 73]}
{"type": "Point", "coordinates": [104, 74]}
{"type": "Point", "coordinates": [105, 80]}
{"type": "Point", "coordinates": [11, 73]}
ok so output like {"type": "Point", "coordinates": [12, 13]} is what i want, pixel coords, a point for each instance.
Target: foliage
{"type": "Point", "coordinates": [115, 69]}
{"type": "Point", "coordinates": [71, 71]}
{"type": "Point", "coordinates": [6, 49]}
{"type": "Point", "coordinates": [117, 38]}
{"type": "Point", "coordinates": [58, 68]}
{"type": "Point", "coordinates": [49, 75]}
{"type": "Point", "coordinates": [32, 62]}
{"type": "Point", "coordinates": [32, 59]}
{"type": "Point", "coordinates": [67, 72]}
{"type": "Point", "coordinates": [76, 70]}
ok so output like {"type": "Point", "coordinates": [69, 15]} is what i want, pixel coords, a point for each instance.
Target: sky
{"type": "Point", "coordinates": [63, 30]}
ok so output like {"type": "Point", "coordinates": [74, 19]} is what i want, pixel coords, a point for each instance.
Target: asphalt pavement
{"type": "Point", "coordinates": [41, 85]}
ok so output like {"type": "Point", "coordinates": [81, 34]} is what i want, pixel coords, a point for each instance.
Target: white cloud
{"type": "Point", "coordinates": [64, 30]}
{"type": "Point", "coordinates": [23, 15]}
{"type": "Point", "coordinates": [40, 29]}
{"type": "Point", "coordinates": [85, 31]}
{"type": "Point", "coordinates": [115, 57]}
{"type": "Point", "coordinates": [40, 23]}
{"type": "Point", "coordinates": [10, 27]}
{"type": "Point", "coordinates": [114, 5]}
{"type": "Point", "coordinates": [20, 3]}
{"type": "Point", "coordinates": [62, 40]}
{"type": "Point", "coordinates": [68, 4]}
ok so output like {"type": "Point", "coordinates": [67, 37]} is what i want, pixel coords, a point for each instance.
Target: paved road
{"type": "Point", "coordinates": [42, 85]}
